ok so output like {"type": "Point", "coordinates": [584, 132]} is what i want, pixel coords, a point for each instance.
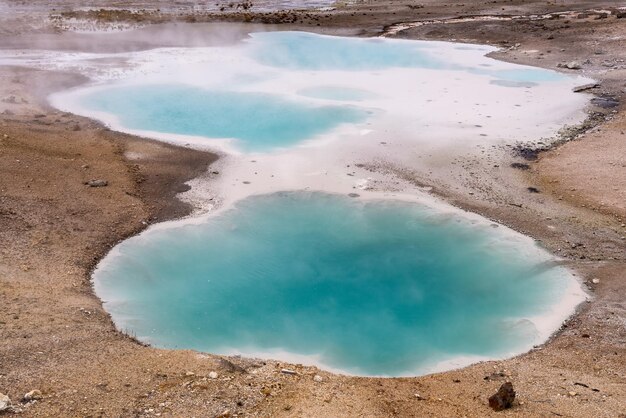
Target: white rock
{"type": "Point", "coordinates": [318, 378]}
{"type": "Point", "coordinates": [5, 402]}
{"type": "Point", "coordinates": [213, 375]}
{"type": "Point", "coordinates": [32, 395]}
{"type": "Point", "coordinates": [595, 281]}
{"type": "Point", "coordinates": [574, 65]}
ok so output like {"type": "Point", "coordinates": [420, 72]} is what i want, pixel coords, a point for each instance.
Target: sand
{"type": "Point", "coordinates": [56, 337]}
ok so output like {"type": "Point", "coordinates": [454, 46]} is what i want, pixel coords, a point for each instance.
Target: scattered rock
{"type": "Point", "coordinates": [572, 393]}
{"type": "Point", "coordinates": [573, 65]}
{"type": "Point", "coordinates": [225, 414]}
{"type": "Point", "coordinates": [288, 371]}
{"type": "Point", "coordinates": [605, 102]}
{"type": "Point", "coordinates": [317, 378]}
{"type": "Point", "coordinates": [495, 376]}
{"type": "Point", "coordinates": [213, 375]}
{"type": "Point", "coordinates": [33, 395]}
{"type": "Point", "coordinates": [230, 366]}
{"type": "Point", "coordinates": [585, 87]}
{"type": "Point", "coordinates": [533, 190]}
{"type": "Point", "coordinates": [595, 281]}
{"type": "Point", "coordinates": [5, 402]}
{"type": "Point", "coordinates": [190, 374]}
{"type": "Point", "coordinates": [520, 166]}
{"type": "Point", "coordinates": [97, 183]}
{"type": "Point", "coordinates": [503, 398]}
{"type": "Point", "coordinates": [526, 152]}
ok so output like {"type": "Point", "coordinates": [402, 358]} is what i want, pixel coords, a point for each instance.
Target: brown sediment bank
{"type": "Point", "coordinates": [55, 336]}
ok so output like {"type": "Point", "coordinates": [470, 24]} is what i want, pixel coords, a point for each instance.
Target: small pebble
{"type": "Point", "coordinates": [33, 395]}
{"type": "Point", "coordinates": [213, 375]}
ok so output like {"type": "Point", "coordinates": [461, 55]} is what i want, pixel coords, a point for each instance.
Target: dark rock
{"type": "Point", "coordinates": [605, 102]}
{"type": "Point", "coordinates": [533, 190]}
{"type": "Point", "coordinates": [527, 153]}
{"type": "Point", "coordinates": [97, 183]}
{"type": "Point", "coordinates": [353, 194]}
{"type": "Point", "coordinates": [503, 399]}
{"type": "Point", "coordinates": [520, 166]}
{"type": "Point", "coordinates": [495, 376]}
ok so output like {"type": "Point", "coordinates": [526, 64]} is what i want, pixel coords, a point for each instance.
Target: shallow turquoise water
{"type": "Point", "coordinates": [259, 122]}
{"type": "Point", "coordinates": [263, 121]}
{"type": "Point", "coordinates": [308, 51]}
{"type": "Point", "coordinates": [374, 288]}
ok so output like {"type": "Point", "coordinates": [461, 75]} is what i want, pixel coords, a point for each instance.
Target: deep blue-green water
{"type": "Point", "coordinates": [374, 288]}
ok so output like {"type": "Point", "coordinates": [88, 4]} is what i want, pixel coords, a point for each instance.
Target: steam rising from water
{"type": "Point", "coordinates": [426, 103]}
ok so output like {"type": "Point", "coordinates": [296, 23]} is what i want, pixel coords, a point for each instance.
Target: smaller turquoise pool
{"type": "Point", "coordinates": [258, 122]}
